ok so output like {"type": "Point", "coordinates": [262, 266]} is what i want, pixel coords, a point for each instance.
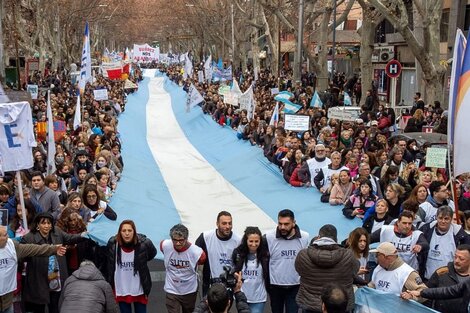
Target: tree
{"type": "Point", "coordinates": [370, 20]}
{"type": "Point", "coordinates": [402, 14]}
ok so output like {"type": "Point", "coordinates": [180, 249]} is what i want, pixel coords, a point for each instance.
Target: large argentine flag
{"type": "Point", "coordinates": [181, 167]}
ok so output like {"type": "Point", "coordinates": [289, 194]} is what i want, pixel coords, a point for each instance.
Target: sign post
{"type": "Point", "coordinates": [393, 70]}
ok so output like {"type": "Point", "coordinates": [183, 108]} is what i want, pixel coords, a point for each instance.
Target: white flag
{"type": "Point", "coordinates": [85, 68]}
{"type": "Point", "coordinates": [50, 137]}
{"type": "Point", "coordinates": [247, 102]}
{"type": "Point", "coordinates": [77, 119]}
{"type": "Point", "coordinates": [275, 117]}
{"type": "Point", "coordinates": [208, 68]}
{"type": "Point", "coordinates": [188, 67]}
{"type": "Point", "coordinates": [3, 96]}
{"type": "Point", "coordinates": [194, 97]}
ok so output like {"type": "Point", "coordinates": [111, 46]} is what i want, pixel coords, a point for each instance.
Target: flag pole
{"type": "Point", "coordinates": [20, 192]}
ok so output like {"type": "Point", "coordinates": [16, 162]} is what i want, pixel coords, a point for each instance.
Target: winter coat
{"type": "Point", "coordinates": [86, 291]}
{"type": "Point", "coordinates": [321, 263]}
{"type": "Point", "coordinates": [240, 303]}
{"type": "Point", "coordinates": [144, 251]}
{"type": "Point", "coordinates": [461, 290]}
{"type": "Point", "coordinates": [444, 277]}
{"type": "Point", "coordinates": [36, 286]}
{"type": "Point", "coordinates": [354, 202]}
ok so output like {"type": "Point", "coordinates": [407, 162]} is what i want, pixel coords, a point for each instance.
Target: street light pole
{"type": "Point", "coordinates": [334, 42]}
{"type": "Point", "coordinates": [300, 36]}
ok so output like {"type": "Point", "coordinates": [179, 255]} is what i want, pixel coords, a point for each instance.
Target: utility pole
{"type": "Point", "coordinates": [233, 39]}
{"type": "Point", "coordinates": [333, 51]}
{"type": "Point", "coordinates": [300, 36]}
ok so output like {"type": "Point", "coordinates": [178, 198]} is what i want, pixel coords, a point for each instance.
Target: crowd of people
{"type": "Point", "coordinates": [367, 170]}
{"type": "Point", "coordinates": [60, 203]}
{"type": "Point", "coordinates": [361, 168]}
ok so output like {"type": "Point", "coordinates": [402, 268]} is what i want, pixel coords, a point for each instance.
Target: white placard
{"type": "Point", "coordinates": [344, 114]}
{"type": "Point", "coordinates": [296, 122]}
{"type": "Point", "coordinates": [145, 53]}
{"type": "Point", "coordinates": [33, 90]}
{"type": "Point", "coordinates": [231, 98]}
{"type": "Point", "coordinates": [100, 94]}
{"type": "Point", "coordinates": [436, 157]}
{"type": "Point", "coordinates": [274, 91]}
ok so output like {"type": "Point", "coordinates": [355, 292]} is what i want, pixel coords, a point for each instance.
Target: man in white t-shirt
{"type": "Point", "coordinates": [392, 275]}
{"type": "Point", "coordinates": [284, 243]}
{"type": "Point", "coordinates": [218, 245]}
{"type": "Point", "coordinates": [181, 261]}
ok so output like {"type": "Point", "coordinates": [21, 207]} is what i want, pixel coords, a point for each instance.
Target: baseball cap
{"type": "Point", "coordinates": [374, 123]}
{"type": "Point", "coordinates": [359, 121]}
{"type": "Point", "coordinates": [386, 248]}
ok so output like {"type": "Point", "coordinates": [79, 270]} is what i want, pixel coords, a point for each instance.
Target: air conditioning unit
{"type": "Point", "coordinates": [383, 54]}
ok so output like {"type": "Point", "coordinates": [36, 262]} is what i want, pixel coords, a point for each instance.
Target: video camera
{"type": "Point", "coordinates": [228, 279]}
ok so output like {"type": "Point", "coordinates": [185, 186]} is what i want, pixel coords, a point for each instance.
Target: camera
{"type": "Point", "coordinates": [228, 279]}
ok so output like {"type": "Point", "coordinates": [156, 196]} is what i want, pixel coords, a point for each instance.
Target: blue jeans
{"type": "Point", "coordinates": [8, 310]}
{"type": "Point", "coordinates": [127, 307]}
{"type": "Point", "coordinates": [257, 307]}
{"type": "Point", "coordinates": [283, 296]}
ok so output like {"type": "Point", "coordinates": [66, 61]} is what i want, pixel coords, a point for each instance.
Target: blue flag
{"type": "Point", "coordinates": [220, 65]}
{"type": "Point", "coordinates": [291, 108]}
{"type": "Point", "coordinates": [316, 101]}
{"type": "Point", "coordinates": [283, 96]}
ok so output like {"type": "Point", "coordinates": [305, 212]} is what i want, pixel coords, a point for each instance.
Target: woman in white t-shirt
{"type": "Point", "coordinates": [128, 272]}
{"type": "Point", "coordinates": [251, 258]}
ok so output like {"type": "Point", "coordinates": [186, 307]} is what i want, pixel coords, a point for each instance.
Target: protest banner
{"type": "Point", "coordinates": [296, 122]}
{"type": "Point", "coordinates": [247, 102]}
{"type": "Point", "coordinates": [222, 74]}
{"type": "Point", "coordinates": [436, 157]}
{"type": "Point", "coordinates": [59, 130]}
{"type": "Point", "coordinates": [231, 98]}
{"type": "Point", "coordinates": [144, 53]}
{"type": "Point", "coordinates": [100, 94]}
{"type": "Point", "coordinates": [33, 91]}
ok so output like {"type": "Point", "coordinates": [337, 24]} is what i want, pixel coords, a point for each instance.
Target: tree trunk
{"type": "Point", "coordinates": [370, 20]}
{"type": "Point", "coordinates": [322, 75]}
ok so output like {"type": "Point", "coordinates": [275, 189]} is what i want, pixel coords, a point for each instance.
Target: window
{"type": "Point", "coordinates": [444, 29]}
{"type": "Point", "coordinates": [350, 25]}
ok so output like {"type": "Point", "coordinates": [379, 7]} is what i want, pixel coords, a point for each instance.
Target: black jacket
{"type": "Point", "coordinates": [144, 251]}
{"type": "Point", "coordinates": [239, 259]}
{"type": "Point", "coordinates": [240, 302]}
{"type": "Point", "coordinates": [460, 236]}
{"type": "Point", "coordinates": [444, 277]}
{"type": "Point", "coordinates": [36, 287]}
{"type": "Point", "coordinates": [461, 290]}
{"type": "Point", "coordinates": [369, 222]}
